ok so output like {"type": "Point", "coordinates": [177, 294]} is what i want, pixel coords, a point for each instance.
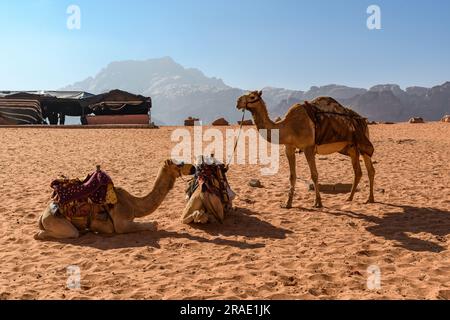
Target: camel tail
{"type": "Point", "coordinates": [363, 139]}
{"type": "Point", "coordinates": [367, 132]}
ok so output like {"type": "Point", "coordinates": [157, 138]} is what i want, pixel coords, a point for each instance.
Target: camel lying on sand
{"type": "Point", "coordinates": [201, 207]}
{"type": "Point", "coordinates": [122, 215]}
{"type": "Point", "coordinates": [209, 195]}
{"type": "Point", "coordinates": [343, 131]}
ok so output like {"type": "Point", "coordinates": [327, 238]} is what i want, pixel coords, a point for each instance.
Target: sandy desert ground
{"type": "Point", "coordinates": [261, 252]}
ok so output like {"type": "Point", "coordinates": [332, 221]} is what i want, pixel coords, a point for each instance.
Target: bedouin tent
{"type": "Point", "coordinates": [80, 104]}
{"type": "Point", "coordinates": [20, 112]}
{"type": "Point", "coordinates": [116, 102]}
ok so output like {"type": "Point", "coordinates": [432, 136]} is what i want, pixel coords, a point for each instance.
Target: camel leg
{"type": "Point", "coordinates": [290, 154]}
{"type": "Point", "coordinates": [311, 159]}
{"type": "Point", "coordinates": [371, 173]}
{"type": "Point", "coordinates": [55, 228]}
{"type": "Point", "coordinates": [193, 208]}
{"type": "Point", "coordinates": [123, 221]}
{"type": "Point", "coordinates": [104, 227]}
{"type": "Point", "coordinates": [354, 155]}
{"type": "Point", "coordinates": [132, 227]}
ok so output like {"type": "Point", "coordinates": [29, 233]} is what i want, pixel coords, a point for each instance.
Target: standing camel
{"type": "Point", "coordinates": [122, 215]}
{"type": "Point", "coordinates": [299, 130]}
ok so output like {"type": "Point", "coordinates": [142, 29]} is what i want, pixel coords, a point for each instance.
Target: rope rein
{"type": "Point", "coordinates": [237, 140]}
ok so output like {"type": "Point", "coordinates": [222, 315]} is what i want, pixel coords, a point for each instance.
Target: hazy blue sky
{"type": "Point", "coordinates": [248, 43]}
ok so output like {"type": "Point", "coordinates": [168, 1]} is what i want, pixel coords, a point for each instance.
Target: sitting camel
{"type": "Point", "coordinates": [122, 215]}
{"type": "Point", "coordinates": [209, 194]}
{"type": "Point", "coordinates": [202, 207]}
{"type": "Point", "coordinates": [321, 126]}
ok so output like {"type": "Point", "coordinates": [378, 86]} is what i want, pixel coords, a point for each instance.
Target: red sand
{"type": "Point", "coordinates": [261, 251]}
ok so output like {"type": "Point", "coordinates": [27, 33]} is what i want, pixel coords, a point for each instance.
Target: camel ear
{"type": "Point", "coordinates": [168, 162]}
{"type": "Point", "coordinates": [260, 93]}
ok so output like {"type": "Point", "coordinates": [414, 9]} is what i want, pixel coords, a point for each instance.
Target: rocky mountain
{"type": "Point", "coordinates": [178, 92]}
{"type": "Point", "coordinates": [391, 103]}
{"type": "Point", "coordinates": [155, 76]}
{"type": "Point", "coordinates": [338, 92]}
{"type": "Point", "coordinates": [378, 105]}
{"type": "Point", "coordinates": [386, 102]}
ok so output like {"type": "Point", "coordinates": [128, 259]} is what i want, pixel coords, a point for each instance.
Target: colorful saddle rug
{"type": "Point", "coordinates": [82, 201]}
{"type": "Point", "coordinates": [211, 178]}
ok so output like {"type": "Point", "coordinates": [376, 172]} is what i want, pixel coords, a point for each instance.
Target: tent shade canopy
{"type": "Point", "coordinates": [117, 102]}
{"type": "Point", "coordinates": [78, 103]}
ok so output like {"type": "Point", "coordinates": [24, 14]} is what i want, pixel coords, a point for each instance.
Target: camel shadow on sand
{"type": "Point", "coordinates": [402, 226]}
{"type": "Point", "coordinates": [241, 222]}
{"type": "Point", "coordinates": [245, 223]}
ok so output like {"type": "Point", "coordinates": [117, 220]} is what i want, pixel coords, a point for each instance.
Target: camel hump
{"type": "Point", "coordinates": [328, 104]}
{"type": "Point", "coordinates": [336, 123]}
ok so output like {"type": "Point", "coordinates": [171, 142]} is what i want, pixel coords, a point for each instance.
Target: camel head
{"type": "Point", "coordinates": [250, 101]}
{"type": "Point", "coordinates": [178, 169]}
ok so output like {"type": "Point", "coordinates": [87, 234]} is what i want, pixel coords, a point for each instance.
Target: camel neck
{"type": "Point", "coordinates": [261, 118]}
{"type": "Point", "coordinates": [163, 184]}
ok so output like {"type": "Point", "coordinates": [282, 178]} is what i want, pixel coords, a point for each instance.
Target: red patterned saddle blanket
{"type": "Point", "coordinates": [82, 201]}
{"type": "Point", "coordinates": [94, 187]}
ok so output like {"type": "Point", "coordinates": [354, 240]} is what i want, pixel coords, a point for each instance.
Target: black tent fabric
{"type": "Point", "coordinates": [117, 102]}
{"type": "Point", "coordinates": [73, 95]}
{"type": "Point", "coordinates": [20, 111]}
{"type": "Point", "coordinates": [80, 104]}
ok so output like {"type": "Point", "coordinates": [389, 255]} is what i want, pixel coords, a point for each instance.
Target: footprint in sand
{"type": "Point", "coordinates": [5, 295]}
{"type": "Point", "coordinates": [369, 253]}
{"type": "Point", "coordinates": [322, 277]}
{"type": "Point", "coordinates": [444, 294]}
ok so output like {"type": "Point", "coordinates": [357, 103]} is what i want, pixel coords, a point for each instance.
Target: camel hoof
{"type": "Point", "coordinates": [370, 201]}
{"type": "Point", "coordinates": [37, 236]}
{"type": "Point", "coordinates": [41, 236]}
{"type": "Point", "coordinates": [349, 199]}
{"type": "Point", "coordinates": [318, 205]}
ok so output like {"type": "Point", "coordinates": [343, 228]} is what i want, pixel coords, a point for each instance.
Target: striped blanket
{"type": "Point", "coordinates": [335, 123]}
{"type": "Point", "coordinates": [20, 112]}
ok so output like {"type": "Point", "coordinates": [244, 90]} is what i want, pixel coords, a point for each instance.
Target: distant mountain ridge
{"type": "Point", "coordinates": [179, 92]}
